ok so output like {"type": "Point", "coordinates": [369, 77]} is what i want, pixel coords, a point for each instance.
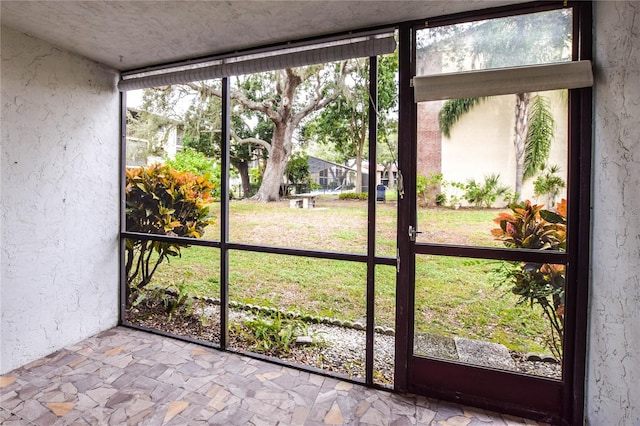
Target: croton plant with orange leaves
{"type": "Point", "coordinates": [162, 201]}
{"type": "Point", "coordinates": [530, 226]}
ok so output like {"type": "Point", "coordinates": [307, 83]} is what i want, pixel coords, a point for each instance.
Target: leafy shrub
{"type": "Point", "coordinates": [162, 201]}
{"type": "Point", "coordinates": [455, 190]}
{"type": "Point", "coordinates": [353, 196]}
{"type": "Point", "coordinates": [255, 176]}
{"type": "Point", "coordinates": [173, 303]}
{"type": "Point", "coordinates": [272, 335]}
{"type": "Point", "coordinates": [189, 160]}
{"type": "Point", "coordinates": [297, 169]}
{"type": "Point", "coordinates": [531, 227]}
{"type": "Point", "coordinates": [427, 187]}
{"type": "Point", "coordinates": [549, 184]}
{"type": "Point", "coordinates": [346, 186]}
{"type": "Point", "coordinates": [485, 194]}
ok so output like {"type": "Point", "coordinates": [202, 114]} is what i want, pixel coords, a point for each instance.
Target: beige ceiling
{"type": "Point", "coordinates": [132, 34]}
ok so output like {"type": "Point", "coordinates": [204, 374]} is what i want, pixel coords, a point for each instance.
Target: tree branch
{"type": "Point", "coordinates": [256, 141]}
{"type": "Point", "coordinates": [237, 96]}
{"type": "Point", "coordinates": [320, 101]}
{"type": "Point", "coordinates": [262, 107]}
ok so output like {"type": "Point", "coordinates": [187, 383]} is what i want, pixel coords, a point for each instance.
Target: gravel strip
{"type": "Point", "coordinates": [340, 349]}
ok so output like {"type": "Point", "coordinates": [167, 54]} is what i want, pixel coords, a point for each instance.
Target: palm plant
{"type": "Point", "coordinates": [533, 130]}
{"type": "Point", "coordinates": [549, 184]}
{"type": "Point", "coordinates": [485, 194]}
{"type": "Point", "coordinates": [522, 40]}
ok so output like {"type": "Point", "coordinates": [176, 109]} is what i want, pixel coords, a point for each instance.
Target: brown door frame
{"type": "Point", "coordinates": [558, 402]}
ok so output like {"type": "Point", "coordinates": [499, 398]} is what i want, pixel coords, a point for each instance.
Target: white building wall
{"type": "Point", "coordinates": [613, 373]}
{"type": "Point", "coordinates": [481, 144]}
{"type": "Point", "coordinates": [59, 199]}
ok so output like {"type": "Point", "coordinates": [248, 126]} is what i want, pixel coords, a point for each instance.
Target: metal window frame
{"type": "Point", "coordinates": [573, 391]}
{"type": "Point", "coordinates": [370, 259]}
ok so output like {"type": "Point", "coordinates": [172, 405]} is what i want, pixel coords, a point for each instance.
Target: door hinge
{"type": "Point", "coordinates": [398, 260]}
{"type": "Point", "coordinates": [400, 185]}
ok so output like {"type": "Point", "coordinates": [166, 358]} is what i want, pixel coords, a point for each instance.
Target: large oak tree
{"type": "Point", "coordinates": [343, 124]}
{"type": "Point", "coordinates": [284, 98]}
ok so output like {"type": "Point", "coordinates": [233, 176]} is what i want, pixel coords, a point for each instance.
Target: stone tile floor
{"type": "Point", "coordinates": [124, 376]}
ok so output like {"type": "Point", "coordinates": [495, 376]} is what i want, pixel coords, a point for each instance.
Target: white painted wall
{"type": "Point", "coordinates": [613, 378]}
{"type": "Point", "coordinates": [59, 199]}
{"type": "Point", "coordinates": [481, 144]}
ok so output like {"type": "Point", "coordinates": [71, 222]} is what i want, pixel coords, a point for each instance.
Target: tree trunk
{"type": "Point", "coordinates": [285, 122]}
{"type": "Point", "coordinates": [521, 129]}
{"type": "Point", "coordinates": [359, 171]}
{"type": "Point", "coordinates": [359, 142]}
{"type": "Point", "coordinates": [276, 163]}
{"type": "Point", "coordinates": [243, 171]}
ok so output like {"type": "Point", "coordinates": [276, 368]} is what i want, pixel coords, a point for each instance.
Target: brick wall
{"type": "Point", "coordinates": [429, 139]}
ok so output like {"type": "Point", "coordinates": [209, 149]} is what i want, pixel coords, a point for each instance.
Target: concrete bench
{"type": "Point", "coordinates": [304, 201]}
{"type": "Point", "coordinates": [308, 201]}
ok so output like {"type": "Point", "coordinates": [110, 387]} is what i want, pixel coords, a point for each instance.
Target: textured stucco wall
{"type": "Point", "coordinates": [59, 199]}
{"type": "Point", "coordinates": [613, 377]}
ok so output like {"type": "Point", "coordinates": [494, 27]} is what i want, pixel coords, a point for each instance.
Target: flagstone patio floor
{"type": "Point", "coordinates": [127, 377]}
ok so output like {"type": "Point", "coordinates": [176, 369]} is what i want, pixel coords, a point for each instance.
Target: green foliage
{"type": "Point", "coordinates": [387, 82]}
{"type": "Point", "coordinates": [179, 301]}
{"type": "Point", "coordinates": [202, 132]}
{"type": "Point", "coordinates": [486, 193]}
{"type": "Point", "coordinates": [162, 201]}
{"type": "Point", "coordinates": [549, 184]}
{"type": "Point", "coordinates": [297, 169]}
{"type": "Point", "coordinates": [147, 134]}
{"type": "Point", "coordinates": [539, 136]}
{"type": "Point", "coordinates": [208, 143]}
{"type": "Point", "coordinates": [190, 160]}
{"type": "Point", "coordinates": [146, 294]}
{"type": "Point", "coordinates": [255, 175]}
{"type": "Point", "coordinates": [496, 43]}
{"type": "Point", "coordinates": [272, 335]}
{"type": "Point", "coordinates": [426, 187]}
{"type": "Point", "coordinates": [278, 101]}
{"type": "Point", "coordinates": [353, 196]}
{"type": "Point", "coordinates": [452, 110]}
{"type": "Point", "coordinates": [343, 123]}
{"type": "Point", "coordinates": [531, 227]}
{"type": "Point", "coordinates": [454, 192]}
{"type": "Point", "coordinates": [247, 124]}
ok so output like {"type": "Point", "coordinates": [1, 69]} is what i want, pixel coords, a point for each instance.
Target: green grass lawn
{"type": "Point", "coordinates": [454, 296]}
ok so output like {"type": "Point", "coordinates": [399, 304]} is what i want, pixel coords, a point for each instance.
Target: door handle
{"type": "Point", "coordinates": [413, 232]}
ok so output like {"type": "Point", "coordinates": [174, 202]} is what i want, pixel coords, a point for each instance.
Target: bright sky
{"type": "Point", "coordinates": [134, 98]}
